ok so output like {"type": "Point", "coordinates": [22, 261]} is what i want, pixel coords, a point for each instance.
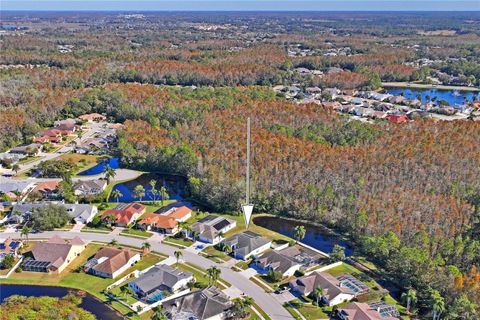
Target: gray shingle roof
{"type": "Point", "coordinates": [203, 304]}
{"type": "Point", "coordinates": [246, 242]}
{"type": "Point", "coordinates": [160, 276]}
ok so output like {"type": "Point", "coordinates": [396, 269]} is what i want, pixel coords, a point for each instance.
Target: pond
{"type": "Point", "coordinates": [175, 185]}
{"type": "Point", "coordinates": [453, 97]}
{"type": "Point", "coordinates": [89, 303]}
{"type": "Point", "coordinates": [114, 163]}
{"type": "Point", "coordinates": [316, 236]}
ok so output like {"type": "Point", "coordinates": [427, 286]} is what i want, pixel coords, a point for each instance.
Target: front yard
{"type": "Point", "coordinates": [216, 255]}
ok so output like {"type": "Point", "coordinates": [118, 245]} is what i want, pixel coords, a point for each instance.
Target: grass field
{"type": "Point", "coordinates": [213, 254]}
{"type": "Point", "coordinates": [180, 241]}
{"type": "Point", "coordinates": [309, 311]}
{"type": "Point", "coordinates": [136, 233]}
{"type": "Point", "coordinates": [73, 278]}
{"type": "Point", "coordinates": [82, 161]}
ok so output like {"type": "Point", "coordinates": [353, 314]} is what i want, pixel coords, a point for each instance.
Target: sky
{"type": "Point", "coordinates": [240, 5]}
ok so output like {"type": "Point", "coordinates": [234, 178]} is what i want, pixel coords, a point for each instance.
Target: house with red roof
{"type": "Point", "coordinates": [125, 213]}
{"type": "Point", "coordinates": [91, 117]}
{"type": "Point", "coordinates": [397, 118]}
{"type": "Point", "coordinates": [181, 214]}
{"type": "Point", "coordinates": [158, 222]}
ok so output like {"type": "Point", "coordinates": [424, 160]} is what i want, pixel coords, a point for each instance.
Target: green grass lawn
{"type": "Point", "coordinates": [73, 278]}
{"type": "Point", "coordinates": [180, 241]}
{"type": "Point", "coordinates": [136, 233]}
{"type": "Point", "coordinates": [82, 161]}
{"type": "Point", "coordinates": [117, 291]}
{"type": "Point", "coordinates": [244, 265]}
{"type": "Point", "coordinates": [28, 160]}
{"type": "Point", "coordinates": [272, 235]}
{"type": "Point", "coordinates": [308, 310]}
{"type": "Point", "coordinates": [216, 255]}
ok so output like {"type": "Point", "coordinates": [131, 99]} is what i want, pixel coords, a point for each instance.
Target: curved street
{"type": "Point", "coordinates": [267, 302]}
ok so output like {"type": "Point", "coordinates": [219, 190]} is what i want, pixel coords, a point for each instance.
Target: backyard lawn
{"type": "Point", "coordinates": [72, 277]}
{"type": "Point", "coordinates": [82, 161]}
{"type": "Point", "coordinates": [307, 310]}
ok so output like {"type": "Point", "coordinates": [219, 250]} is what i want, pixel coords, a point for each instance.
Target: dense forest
{"type": "Point", "coordinates": [408, 195]}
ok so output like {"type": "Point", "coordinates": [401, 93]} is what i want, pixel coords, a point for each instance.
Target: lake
{"type": "Point", "coordinates": [113, 163]}
{"type": "Point", "coordinates": [453, 97]}
{"type": "Point", "coordinates": [175, 185]}
{"type": "Point", "coordinates": [316, 236]}
{"type": "Point", "coordinates": [89, 303]}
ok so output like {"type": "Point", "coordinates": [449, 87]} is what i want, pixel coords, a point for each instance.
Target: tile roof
{"type": "Point", "coordinates": [331, 286]}
{"type": "Point", "coordinates": [159, 221]}
{"type": "Point", "coordinates": [124, 213]}
{"type": "Point", "coordinates": [276, 261]}
{"type": "Point", "coordinates": [361, 311]}
{"type": "Point", "coordinates": [116, 259]}
{"type": "Point", "coordinates": [178, 213]}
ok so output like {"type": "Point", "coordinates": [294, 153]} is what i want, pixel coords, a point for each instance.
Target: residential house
{"type": "Point", "coordinates": [32, 149]}
{"type": "Point", "coordinates": [363, 311]}
{"type": "Point", "coordinates": [247, 244]}
{"type": "Point", "coordinates": [124, 213]}
{"type": "Point", "coordinates": [159, 223]}
{"type": "Point", "coordinates": [49, 135]}
{"type": "Point", "coordinates": [80, 213]}
{"type": "Point", "coordinates": [91, 117]}
{"type": "Point", "coordinates": [274, 260]}
{"type": "Point", "coordinates": [7, 159]}
{"type": "Point", "coordinates": [47, 189]}
{"type": "Point", "coordinates": [86, 188]}
{"type": "Point", "coordinates": [181, 214]}
{"type": "Point", "coordinates": [22, 187]}
{"type": "Point", "coordinates": [110, 262]}
{"type": "Point", "coordinates": [67, 125]}
{"type": "Point", "coordinates": [397, 118]}
{"type": "Point", "coordinates": [211, 228]}
{"type": "Point", "coordinates": [152, 285]}
{"type": "Point", "coordinates": [9, 247]}
{"type": "Point", "coordinates": [207, 304]}
{"type": "Point", "coordinates": [54, 255]}
{"type": "Point", "coordinates": [335, 290]}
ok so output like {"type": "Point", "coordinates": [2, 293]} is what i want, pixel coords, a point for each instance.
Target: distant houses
{"type": "Point", "coordinates": [32, 149]}
{"type": "Point", "coordinates": [247, 244]}
{"type": "Point", "coordinates": [210, 228]}
{"type": "Point", "coordinates": [111, 262]}
{"type": "Point", "coordinates": [124, 214]}
{"type": "Point", "coordinates": [159, 282]}
{"type": "Point", "coordinates": [206, 304]}
{"type": "Point", "coordinates": [54, 255]}
{"type": "Point", "coordinates": [92, 117]}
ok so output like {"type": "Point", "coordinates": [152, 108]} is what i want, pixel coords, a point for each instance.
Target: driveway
{"type": "Point", "coordinates": [267, 302]}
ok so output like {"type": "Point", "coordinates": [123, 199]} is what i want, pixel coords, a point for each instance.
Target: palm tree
{"type": "Point", "coordinates": [126, 290]}
{"type": "Point", "coordinates": [178, 255]}
{"type": "Point", "coordinates": [163, 194]}
{"type": "Point", "coordinates": [109, 173]}
{"type": "Point", "coordinates": [213, 273]}
{"type": "Point", "coordinates": [195, 235]}
{"type": "Point", "coordinates": [117, 194]}
{"type": "Point", "coordinates": [25, 231]}
{"type": "Point", "coordinates": [158, 313]}
{"type": "Point", "coordinates": [146, 247]}
{"type": "Point", "coordinates": [113, 243]}
{"type": "Point", "coordinates": [153, 191]}
{"type": "Point", "coordinates": [16, 167]}
{"type": "Point", "coordinates": [410, 297]}
{"type": "Point", "coordinates": [437, 303]}
{"type": "Point", "coordinates": [318, 292]}
{"type": "Point", "coordinates": [139, 192]}
{"type": "Point", "coordinates": [241, 306]}
{"type": "Point", "coordinates": [299, 233]}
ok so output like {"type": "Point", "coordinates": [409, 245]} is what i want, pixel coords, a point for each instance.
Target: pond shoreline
{"type": "Point", "coordinates": [427, 86]}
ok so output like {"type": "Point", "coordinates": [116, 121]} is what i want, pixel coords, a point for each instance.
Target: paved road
{"type": "Point", "coordinates": [266, 301]}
